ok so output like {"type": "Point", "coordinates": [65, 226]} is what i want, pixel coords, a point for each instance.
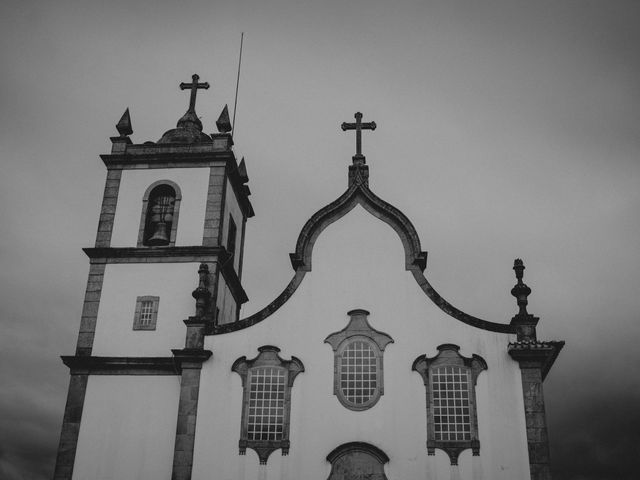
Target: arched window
{"type": "Point", "coordinates": [267, 380]}
{"type": "Point", "coordinates": [358, 377]}
{"type": "Point", "coordinates": [159, 220]}
{"type": "Point", "coordinates": [357, 460]}
{"type": "Point", "coordinates": [450, 381]}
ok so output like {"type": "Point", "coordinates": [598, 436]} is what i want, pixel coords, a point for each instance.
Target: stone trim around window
{"type": "Point", "coordinates": [145, 209]}
{"type": "Point", "coordinates": [452, 419]}
{"type": "Point", "coordinates": [358, 379]}
{"type": "Point", "coordinates": [146, 313]}
{"type": "Point", "coordinates": [266, 381]}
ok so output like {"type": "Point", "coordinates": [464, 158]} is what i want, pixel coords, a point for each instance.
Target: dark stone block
{"type": "Point", "coordinates": [182, 459]}
{"type": "Point", "coordinates": [184, 443]}
{"type": "Point", "coordinates": [540, 472]}
{"type": "Point", "coordinates": [92, 296]}
{"type": "Point", "coordinates": [539, 453]}
{"type": "Point", "coordinates": [90, 309]}
{"type": "Point", "coordinates": [85, 341]}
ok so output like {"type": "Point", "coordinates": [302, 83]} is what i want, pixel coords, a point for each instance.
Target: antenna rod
{"type": "Point", "coordinates": [235, 103]}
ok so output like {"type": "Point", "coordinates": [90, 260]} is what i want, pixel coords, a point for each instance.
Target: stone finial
{"type": "Point", "coordinates": [201, 294]}
{"type": "Point", "coordinates": [124, 124]}
{"type": "Point", "coordinates": [224, 123]}
{"type": "Point", "coordinates": [521, 291]}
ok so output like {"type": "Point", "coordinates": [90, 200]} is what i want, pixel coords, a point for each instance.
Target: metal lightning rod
{"type": "Point", "coordinates": [235, 103]}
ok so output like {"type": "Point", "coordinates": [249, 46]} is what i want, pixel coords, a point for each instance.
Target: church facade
{"type": "Point", "coordinates": [359, 369]}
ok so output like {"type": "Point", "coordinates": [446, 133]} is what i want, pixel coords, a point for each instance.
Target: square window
{"type": "Point", "coordinates": [146, 313]}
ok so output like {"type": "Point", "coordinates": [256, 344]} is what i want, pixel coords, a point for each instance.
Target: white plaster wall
{"type": "Point", "coordinates": [232, 207]}
{"type": "Point", "coordinates": [193, 183]}
{"type": "Point", "coordinates": [128, 428]}
{"type": "Point", "coordinates": [123, 283]}
{"type": "Point", "coordinates": [358, 262]}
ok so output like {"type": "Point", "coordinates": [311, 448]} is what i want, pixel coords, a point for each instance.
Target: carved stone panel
{"type": "Point", "coordinates": [357, 461]}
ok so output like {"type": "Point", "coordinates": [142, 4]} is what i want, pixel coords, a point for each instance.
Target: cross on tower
{"type": "Point", "coordinates": [194, 86]}
{"type": "Point", "coordinates": [358, 127]}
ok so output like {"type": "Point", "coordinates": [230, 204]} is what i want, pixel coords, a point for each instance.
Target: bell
{"type": "Point", "coordinates": [159, 236]}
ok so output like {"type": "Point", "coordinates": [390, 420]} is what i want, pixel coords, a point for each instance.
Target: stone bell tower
{"type": "Point", "coordinates": [173, 217]}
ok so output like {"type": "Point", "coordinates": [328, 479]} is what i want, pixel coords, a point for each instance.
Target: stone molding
{"type": "Point", "coordinates": [536, 354]}
{"type": "Point", "coordinates": [188, 254]}
{"type": "Point", "coordinates": [358, 193]}
{"type": "Point", "coordinates": [84, 365]}
{"type": "Point", "coordinates": [357, 447]}
{"type": "Point", "coordinates": [358, 328]}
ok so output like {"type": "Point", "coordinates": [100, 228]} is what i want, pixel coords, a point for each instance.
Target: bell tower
{"type": "Point", "coordinates": [173, 217]}
{"type": "Point", "coordinates": [192, 204]}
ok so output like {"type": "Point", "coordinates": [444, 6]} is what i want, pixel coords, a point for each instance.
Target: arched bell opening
{"type": "Point", "coordinates": [158, 225]}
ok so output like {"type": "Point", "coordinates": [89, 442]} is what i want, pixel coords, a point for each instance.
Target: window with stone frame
{"type": "Point", "coordinates": [450, 380]}
{"type": "Point", "coordinates": [358, 363]}
{"type": "Point", "coordinates": [266, 402]}
{"type": "Point", "coordinates": [159, 218]}
{"type": "Point", "coordinates": [146, 313]}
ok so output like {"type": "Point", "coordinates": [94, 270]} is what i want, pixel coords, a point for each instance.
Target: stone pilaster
{"type": "Point", "coordinates": [191, 360]}
{"type": "Point", "coordinates": [535, 359]}
{"type": "Point", "coordinates": [108, 209]}
{"type": "Point", "coordinates": [215, 206]}
{"type": "Point", "coordinates": [70, 427]}
{"type": "Point", "coordinates": [90, 309]}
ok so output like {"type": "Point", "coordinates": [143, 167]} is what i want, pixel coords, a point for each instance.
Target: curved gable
{"type": "Point", "coordinates": [358, 193]}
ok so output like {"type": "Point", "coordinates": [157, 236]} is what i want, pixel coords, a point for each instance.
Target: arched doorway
{"type": "Point", "coordinates": [357, 461]}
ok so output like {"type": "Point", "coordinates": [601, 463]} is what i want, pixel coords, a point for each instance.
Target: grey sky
{"type": "Point", "coordinates": [505, 129]}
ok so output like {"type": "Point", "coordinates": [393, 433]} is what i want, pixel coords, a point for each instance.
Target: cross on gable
{"type": "Point", "coordinates": [358, 126]}
{"type": "Point", "coordinates": [194, 86]}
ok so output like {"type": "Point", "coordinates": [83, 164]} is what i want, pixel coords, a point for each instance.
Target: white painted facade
{"type": "Point", "coordinates": [138, 423]}
{"type": "Point", "coordinates": [123, 283]}
{"type": "Point", "coordinates": [349, 273]}
{"type": "Point", "coordinates": [127, 430]}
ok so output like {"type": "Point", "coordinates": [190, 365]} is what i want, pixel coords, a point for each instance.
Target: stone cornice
{"type": "Point", "coordinates": [536, 354]}
{"type": "Point", "coordinates": [121, 365]}
{"type": "Point", "coordinates": [188, 254]}
{"type": "Point", "coordinates": [90, 365]}
{"type": "Point", "coordinates": [165, 160]}
{"type": "Point", "coordinates": [159, 254]}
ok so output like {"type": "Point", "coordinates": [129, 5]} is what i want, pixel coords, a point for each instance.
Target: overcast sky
{"type": "Point", "coordinates": [505, 129]}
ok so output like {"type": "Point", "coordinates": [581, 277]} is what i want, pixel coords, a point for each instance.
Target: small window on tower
{"type": "Point", "coordinates": [159, 220]}
{"type": "Point", "coordinates": [146, 314]}
{"type": "Point", "coordinates": [358, 381]}
{"type": "Point", "coordinates": [231, 236]}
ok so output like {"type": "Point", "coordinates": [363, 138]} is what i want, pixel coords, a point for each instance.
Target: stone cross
{"type": "Point", "coordinates": [194, 88]}
{"type": "Point", "coordinates": [358, 127]}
